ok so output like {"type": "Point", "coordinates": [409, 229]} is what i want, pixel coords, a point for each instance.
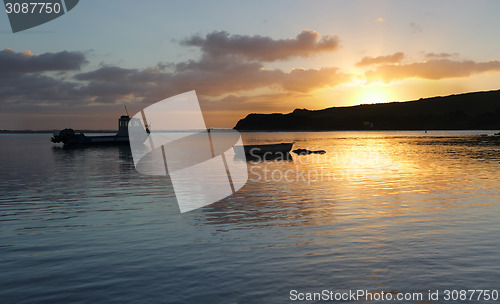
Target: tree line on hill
{"type": "Point", "coordinates": [469, 111]}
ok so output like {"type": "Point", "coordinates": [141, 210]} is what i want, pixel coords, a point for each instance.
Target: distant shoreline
{"type": "Point", "coordinates": [51, 131]}
{"type": "Point", "coordinates": [369, 130]}
{"type": "Point", "coordinates": [101, 131]}
{"type": "Point", "coordinates": [486, 131]}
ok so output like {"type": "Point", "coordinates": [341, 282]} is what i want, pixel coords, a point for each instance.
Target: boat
{"type": "Point", "coordinates": [270, 149]}
{"type": "Point", "coordinates": [307, 152]}
{"type": "Point", "coordinates": [70, 138]}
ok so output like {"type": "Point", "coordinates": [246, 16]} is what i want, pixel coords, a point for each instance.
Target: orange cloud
{"type": "Point", "coordinates": [394, 58]}
{"type": "Point", "coordinates": [432, 69]}
{"type": "Point", "coordinates": [110, 83]}
{"type": "Point", "coordinates": [440, 55]}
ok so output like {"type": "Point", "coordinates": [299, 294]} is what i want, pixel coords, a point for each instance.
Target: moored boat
{"type": "Point", "coordinates": [280, 148]}
{"type": "Point", "coordinates": [70, 138]}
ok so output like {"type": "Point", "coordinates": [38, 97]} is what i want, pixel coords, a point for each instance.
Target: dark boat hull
{"type": "Point", "coordinates": [69, 138]}
{"type": "Point", "coordinates": [103, 140]}
{"type": "Point", "coordinates": [255, 150]}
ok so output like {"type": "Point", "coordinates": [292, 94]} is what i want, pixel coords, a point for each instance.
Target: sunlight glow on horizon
{"type": "Point", "coordinates": [373, 93]}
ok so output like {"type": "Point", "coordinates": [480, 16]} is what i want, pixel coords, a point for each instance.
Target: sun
{"type": "Point", "coordinates": [373, 94]}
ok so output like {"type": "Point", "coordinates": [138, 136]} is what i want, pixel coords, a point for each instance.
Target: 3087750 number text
{"type": "Point", "coordinates": [33, 8]}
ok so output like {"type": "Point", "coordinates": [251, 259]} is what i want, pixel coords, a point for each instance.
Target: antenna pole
{"type": "Point", "coordinates": [126, 110]}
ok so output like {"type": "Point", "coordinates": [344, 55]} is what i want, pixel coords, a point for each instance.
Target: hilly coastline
{"type": "Point", "coordinates": [469, 111]}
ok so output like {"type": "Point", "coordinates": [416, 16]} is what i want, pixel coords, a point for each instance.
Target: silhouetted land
{"type": "Point", "coordinates": [51, 131]}
{"type": "Point", "coordinates": [470, 111]}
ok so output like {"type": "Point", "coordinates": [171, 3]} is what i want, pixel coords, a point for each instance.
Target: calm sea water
{"type": "Point", "coordinates": [380, 211]}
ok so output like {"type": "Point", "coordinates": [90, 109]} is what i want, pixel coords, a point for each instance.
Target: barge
{"type": "Point", "coordinates": [70, 138]}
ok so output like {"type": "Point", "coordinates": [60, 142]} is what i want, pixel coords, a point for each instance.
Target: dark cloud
{"type": "Point", "coordinates": [207, 80]}
{"type": "Point", "coordinates": [24, 80]}
{"type": "Point", "coordinates": [109, 73]}
{"type": "Point", "coordinates": [217, 73]}
{"type": "Point", "coordinates": [230, 67]}
{"type": "Point", "coordinates": [26, 62]}
{"type": "Point", "coordinates": [222, 44]}
{"type": "Point", "coordinates": [114, 84]}
{"type": "Point", "coordinates": [117, 74]}
{"type": "Point", "coordinates": [394, 58]}
{"type": "Point", "coordinates": [34, 89]}
{"type": "Point", "coordinates": [432, 69]}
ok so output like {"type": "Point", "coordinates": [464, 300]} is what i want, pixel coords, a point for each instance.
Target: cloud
{"type": "Point", "coordinates": [26, 62]}
{"type": "Point", "coordinates": [108, 73]}
{"type": "Point", "coordinates": [220, 71]}
{"type": "Point", "coordinates": [23, 78]}
{"type": "Point", "coordinates": [440, 55]}
{"type": "Point", "coordinates": [432, 69]}
{"type": "Point", "coordinates": [17, 89]}
{"type": "Point", "coordinates": [394, 58]}
{"type": "Point", "coordinates": [261, 48]}
{"type": "Point", "coordinates": [415, 28]}
{"type": "Point", "coordinates": [230, 69]}
{"type": "Point", "coordinates": [150, 85]}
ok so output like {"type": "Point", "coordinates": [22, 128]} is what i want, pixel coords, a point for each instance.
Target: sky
{"type": "Point", "coordinates": [241, 57]}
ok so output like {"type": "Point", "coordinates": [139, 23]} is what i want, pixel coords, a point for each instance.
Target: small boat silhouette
{"type": "Point", "coordinates": [70, 138]}
{"type": "Point", "coordinates": [264, 149]}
